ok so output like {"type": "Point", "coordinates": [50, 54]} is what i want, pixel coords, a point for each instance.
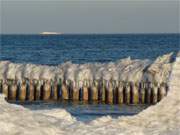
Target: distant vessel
{"type": "Point", "coordinates": [50, 33]}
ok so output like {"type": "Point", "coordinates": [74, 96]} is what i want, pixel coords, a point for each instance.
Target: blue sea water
{"type": "Point", "coordinates": [56, 49]}
{"type": "Point", "coordinates": [86, 112]}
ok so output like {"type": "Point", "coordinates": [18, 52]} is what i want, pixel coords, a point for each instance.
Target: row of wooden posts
{"type": "Point", "coordinates": [111, 92]}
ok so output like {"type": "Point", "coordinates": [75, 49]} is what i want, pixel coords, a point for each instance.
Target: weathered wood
{"type": "Point", "coordinates": [69, 85]}
{"type": "Point", "coordinates": [127, 93]}
{"type": "Point", "coordinates": [120, 93]}
{"type": "Point", "coordinates": [142, 92]}
{"type": "Point", "coordinates": [38, 92]}
{"type": "Point", "coordinates": [55, 91]}
{"type": "Point", "coordinates": [22, 91]}
{"type": "Point", "coordinates": [148, 89]}
{"type": "Point", "coordinates": [115, 92]}
{"type": "Point", "coordinates": [103, 91]}
{"type": "Point", "coordinates": [134, 93]}
{"type": "Point", "coordinates": [59, 90]}
{"type": "Point", "coordinates": [46, 90]}
{"type": "Point", "coordinates": [85, 91]}
{"type": "Point", "coordinates": [154, 94]}
{"type": "Point", "coordinates": [80, 94]}
{"type": "Point", "coordinates": [162, 91]}
{"type": "Point", "coordinates": [12, 90]}
{"type": "Point", "coordinates": [1, 84]}
{"type": "Point", "coordinates": [65, 91]}
{"type": "Point", "coordinates": [95, 91]}
{"type": "Point", "coordinates": [75, 92]}
{"type": "Point", "coordinates": [5, 89]}
{"type": "Point", "coordinates": [31, 90]}
{"type": "Point", "coordinates": [109, 92]}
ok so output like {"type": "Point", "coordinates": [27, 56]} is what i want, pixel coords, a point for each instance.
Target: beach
{"type": "Point", "coordinates": [162, 118]}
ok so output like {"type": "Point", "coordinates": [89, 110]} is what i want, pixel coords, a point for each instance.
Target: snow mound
{"type": "Point", "coordinates": [162, 118]}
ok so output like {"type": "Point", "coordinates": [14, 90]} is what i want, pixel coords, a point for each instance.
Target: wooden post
{"type": "Point", "coordinates": [1, 84]}
{"type": "Point", "coordinates": [55, 90]}
{"type": "Point", "coordinates": [5, 88]}
{"type": "Point", "coordinates": [75, 92]}
{"type": "Point", "coordinates": [120, 92]}
{"type": "Point", "coordinates": [64, 91]}
{"type": "Point", "coordinates": [162, 91]}
{"type": "Point", "coordinates": [46, 90]}
{"type": "Point", "coordinates": [85, 91]}
{"type": "Point", "coordinates": [148, 89]}
{"type": "Point", "coordinates": [109, 92]}
{"type": "Point", "coordinates": [31, 90]}
{"type": "Point", "coordinates": [69, 85]}
{"type": "Point", "coordinates": [142, 92]}
{"type": "Point", "coordinates": [22, 91]}
{"type": "Point", "coordinates": [90, 93]}
{"type": "Point", "coordinates": [135, 93]}
{"type": "Point", "coordinates": [12, 90]}
{"type": "Point", "coordinates": [101, 90]}
{"type": "Point", "coordinates": [80, 93]}
{"type": "Point", "coordinates": [59, 89]}
{"type": "Point", "coordinates": [127, 93]}
{"type": "Point", "coordinates": [167, 88]}
{"type": "Point", "coordinates": [154, 93]}
{"type": "Point", "coordinates": [115, 91]}
{"type": "Point", "coordinates": [95, 91]}
{"type": "Point", "coordinates": [38, 92]}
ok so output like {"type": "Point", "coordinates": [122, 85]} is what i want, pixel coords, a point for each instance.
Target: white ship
{"type": "Point", "coordinates": [50, 33]}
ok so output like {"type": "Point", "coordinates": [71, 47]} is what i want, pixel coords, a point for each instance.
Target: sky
{"type": "Point", "coordinates": [85, 16]}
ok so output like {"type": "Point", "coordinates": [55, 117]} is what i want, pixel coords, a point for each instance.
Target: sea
{"type": "Point", "coordinates": [85, 48]}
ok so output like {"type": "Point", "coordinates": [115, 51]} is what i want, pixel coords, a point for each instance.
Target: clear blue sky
{"type": "Point", "coordinates": [95, 16]}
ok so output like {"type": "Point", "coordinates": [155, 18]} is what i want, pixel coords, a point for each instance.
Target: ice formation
{"type": "Point", "coordinates": [122, 70]}
{"type": "Point", "coordinates": [160, 119]}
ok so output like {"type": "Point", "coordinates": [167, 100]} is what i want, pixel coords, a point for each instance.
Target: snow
{"type": "Point", "coordinates": [160, 119]}
{"type": "Point", "coordinates": [122, 70]}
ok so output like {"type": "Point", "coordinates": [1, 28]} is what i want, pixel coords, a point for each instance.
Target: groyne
{"type": "Point", "coordinates": [126, 81]}
{"type": "Point", "coordinates": [111, 92]}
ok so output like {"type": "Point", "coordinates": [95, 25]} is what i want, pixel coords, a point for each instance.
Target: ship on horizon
{"type": "Point", "coordinates": [50, 33]}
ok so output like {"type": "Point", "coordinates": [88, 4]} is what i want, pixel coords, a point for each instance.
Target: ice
{"type": "Point", "coordinates": [122, 70]}
{"type": "Point", "coordinates": [160, 119]}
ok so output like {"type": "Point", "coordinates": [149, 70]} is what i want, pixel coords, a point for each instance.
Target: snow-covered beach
{"type": "Point", "coordinates": [162, 118]}
{"type": "Point", "coordinates": [89, 67]}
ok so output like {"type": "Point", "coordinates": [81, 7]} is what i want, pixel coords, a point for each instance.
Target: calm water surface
{"type": "Point", "coordinates": [56, 49]}
{"type": "Point", "coordinates": [86, 112]}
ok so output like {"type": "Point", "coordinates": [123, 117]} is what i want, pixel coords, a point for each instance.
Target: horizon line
{"type": "Point", "coordinates": [90, 33]}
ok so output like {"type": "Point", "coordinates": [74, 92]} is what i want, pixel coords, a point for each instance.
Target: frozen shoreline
{"type": "Point", "coordinates": [163, 118]}
{"type": "Point", "coordinates": [127, 70]}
